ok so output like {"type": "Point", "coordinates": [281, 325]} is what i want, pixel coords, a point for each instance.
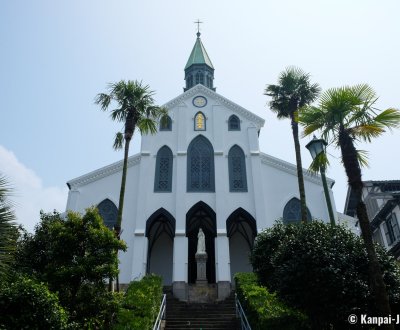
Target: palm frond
{"type": "Point", "coordinates": [8, 228]}
{"type": "Point", "coordinates": [389, 118]}
{"type": "Point", "coordinates": [320, 161]}
{"type": "Point", "coordinates": [104, 100]}
{"type": "Point", "coordinates": [362, 156]}
{"type": "Point", "coordinates": [147, 125]}
{"type": "Point", "coordinates": [118, 141]}
{"type": "Point", "coordinates": [366, 132]}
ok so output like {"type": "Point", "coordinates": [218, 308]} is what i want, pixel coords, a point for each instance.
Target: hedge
{"type": "Point", "coordinates": [263, 309]}
{"type": "Point", "coordinates": [140, 304]}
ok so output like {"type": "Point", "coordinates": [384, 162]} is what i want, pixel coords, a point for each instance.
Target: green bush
{"type": "Point", "coordinates": [321, 270]}
{"type": "Point", "coordinates": [74, 257]}
{"type": "Point", "coordinates": [140, 304]}
{"type": "Point", "coordinates": [27, 304]}
{"type": "Point", "coordinates": [263, 309]}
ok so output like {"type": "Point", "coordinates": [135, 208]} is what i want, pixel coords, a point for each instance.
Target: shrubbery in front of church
{"type": "Point", "coordinates": [140, 304]}
{"type": "Point", "coordinates": [321, 270]}
{"type": "Point", "coordinates": [74, 256]}
{"type": "Point", "coordinates": [264, 310]}
{"type": "Point", "coordinates": [28, 304]}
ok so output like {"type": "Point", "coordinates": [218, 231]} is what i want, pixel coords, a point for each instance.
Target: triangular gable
{"type": "Point", "coordinates": [201, 89]}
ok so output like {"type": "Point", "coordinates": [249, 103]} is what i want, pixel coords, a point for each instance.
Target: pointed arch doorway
{"type": "Point", "coordinates": [202, 216]}
{"type": "Point", "coordinates": [160, 231]}
{"type": "Point", "coordinates": [242, 230]}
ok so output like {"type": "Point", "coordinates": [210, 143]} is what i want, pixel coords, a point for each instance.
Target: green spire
{"type": "Point", "coordinates": [199, 54]}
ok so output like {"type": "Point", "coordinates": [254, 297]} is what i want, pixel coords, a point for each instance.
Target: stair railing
{"type": "Point", "coordinates": [161, 313]}
{"type": "Point", "coordinates": [244, 324]}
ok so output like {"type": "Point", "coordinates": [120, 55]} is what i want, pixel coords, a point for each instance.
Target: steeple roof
{"type": "Point", "coordinates": [199, 54]}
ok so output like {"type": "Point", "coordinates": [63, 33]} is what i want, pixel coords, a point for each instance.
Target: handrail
{"type": "Point", "coordinates": [244, 324]}
{"type": "Point", "coordinates": [161, 313]}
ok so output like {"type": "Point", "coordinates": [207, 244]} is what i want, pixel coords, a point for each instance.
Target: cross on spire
{"type": "Point", "coordinates": [198, 27]}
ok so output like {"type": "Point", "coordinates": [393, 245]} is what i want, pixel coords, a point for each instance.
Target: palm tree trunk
{"type": "Point", "coordinates": [300, 177]}
{"type": "Point", "coordinates": [129, 129]}
{"type": "Point", "coordinates": [353, 171]}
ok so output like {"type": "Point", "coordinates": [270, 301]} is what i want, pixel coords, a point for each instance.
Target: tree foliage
{"type": "Point", "coordinates": [321, 270]}
{"type": "Point", "coordinates": [27, 304]}
{"type": "Point", "coordinates": [264, 310]}
{"type": "Point", "coordinates": [74, 256]}
{"type": "Point", "coordinates": [8, 229]}
{"type": "Point", "coordinates": [293, 91]}
{"type": "Point", "coordinates": [345, 116]}
{"type": "Point", "coordinates": [140, 304]}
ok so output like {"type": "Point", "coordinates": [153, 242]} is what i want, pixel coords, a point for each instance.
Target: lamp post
{"type": "Point", "coordinates": [316, 147]}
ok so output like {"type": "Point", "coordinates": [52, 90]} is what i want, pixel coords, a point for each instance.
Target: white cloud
{"type": "Point", "coordinates": [29, 196]}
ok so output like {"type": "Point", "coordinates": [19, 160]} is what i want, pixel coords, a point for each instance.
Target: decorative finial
{"type": "Point", "coordinates": [198, 28]}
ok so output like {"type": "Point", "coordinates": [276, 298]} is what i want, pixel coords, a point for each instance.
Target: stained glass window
{"type": "Point", "coordinates": [199, 122]}
{"type": "Point", "coordinates": [200, 165]}
{"type": "Point", "coordinates": [237, 169]}
{"type": "Point", "coordinates": [292, 212]}
{"type": "Point", "coordinates": [163, 175]}
{"type": "Point", "coordinates": [108, 211]}
{"type": "Point", "coordinates": [234, 123]}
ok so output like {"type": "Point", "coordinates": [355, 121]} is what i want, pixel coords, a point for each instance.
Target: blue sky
{"type": "Point", "coordinates": [57, 55]}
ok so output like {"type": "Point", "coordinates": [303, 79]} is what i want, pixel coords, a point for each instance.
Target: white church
{"type": "Point", "coordinates": [203, 169]}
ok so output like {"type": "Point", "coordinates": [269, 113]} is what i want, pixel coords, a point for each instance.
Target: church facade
{"type": "Point", "coordinates": [203, 169]}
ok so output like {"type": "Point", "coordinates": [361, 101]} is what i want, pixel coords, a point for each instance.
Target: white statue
{"type": "Point", "coordinates": [201, 242]}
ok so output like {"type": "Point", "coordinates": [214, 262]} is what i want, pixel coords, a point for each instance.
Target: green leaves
{"type": "Point", "coordinates": [73, 256]}
{"type": "Point", "coordinates": [134, 106]}
{"type": "Point", "coordinates": [8, 229]}
{"type": "Point", "coordinates": [264, 309]}
{"type": "Point", "coordinates": [140, 304]}
{"type": "Point", "coordinates": [28, 304]}
{"type": "Point", "coordinates": [348, 109]}
{"type": "Point", "coordinates": [294, 90]}
{"type": "Point", "coordinates": [319, 269]}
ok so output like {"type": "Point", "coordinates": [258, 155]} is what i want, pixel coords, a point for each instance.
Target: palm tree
{"type": "Point", "coordinates": [8, 229]}
{"type": "Point", "coordinates": [135, 108]}
{"type": "Point", "coordinates": [294, 90]}
{"type": "Point", "coordinates": [345, 116]}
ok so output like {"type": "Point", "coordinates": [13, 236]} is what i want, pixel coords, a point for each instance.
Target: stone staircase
{"type": "Point", "coordinates": [219, 315]}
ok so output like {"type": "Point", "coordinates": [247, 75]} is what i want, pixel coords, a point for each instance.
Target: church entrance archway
{"type": "Point", "coordinates": [160, 231]}
{"type": "Point", "coordinates": [201, 216]}
{"type": "Point", "coordinates": [242, 230]}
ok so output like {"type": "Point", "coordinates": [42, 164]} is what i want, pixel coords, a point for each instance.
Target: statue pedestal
{"type": "Point", "coordinates": [201, 260]}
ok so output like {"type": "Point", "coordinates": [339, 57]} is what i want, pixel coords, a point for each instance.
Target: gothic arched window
{"type": "Point", "coordinates": [234, 123]}
{"type": "Point", "coordinates": [163, 176]}
{"type": "Point", "coordinates": [199, 122]}
{"type": "Point", "coordinates": [237, 169]}
{"type": "Point", "coordinates": [292, 212]}
{"type": "Point", "coordinates": [166, 123]}
{"type": "Point", "coordinates": [200, 165]}
{"type": "Point", "coordinates": [109, 212]}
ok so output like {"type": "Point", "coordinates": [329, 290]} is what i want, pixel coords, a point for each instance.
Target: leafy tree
{"type": "Point", "coordinates": [74, 256]}
{"type": "Point", "coordinates": [322, 270]}
{"type": "Point", "coordinates": [135, 108]}
{"type": "Point", "coordinates": [294, 90]}
{"type": "Point", "coordinates": [25, 303]}
{"type": "Point", "coordinates": [345, 116]}
{"type": "Point", "coordinates": [8, 230]}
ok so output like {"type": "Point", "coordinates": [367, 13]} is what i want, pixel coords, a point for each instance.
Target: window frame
{"type": "Point", "coordinates": [196, 143]}
{"type": "Point", "coordinates": [163, 152]}
{"type": "Point", "coordinates": [233, 117]}
{"type": "Point", "coordinates": [243, 172]}
{"type": "Point", "coordinates": [195, 122]}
